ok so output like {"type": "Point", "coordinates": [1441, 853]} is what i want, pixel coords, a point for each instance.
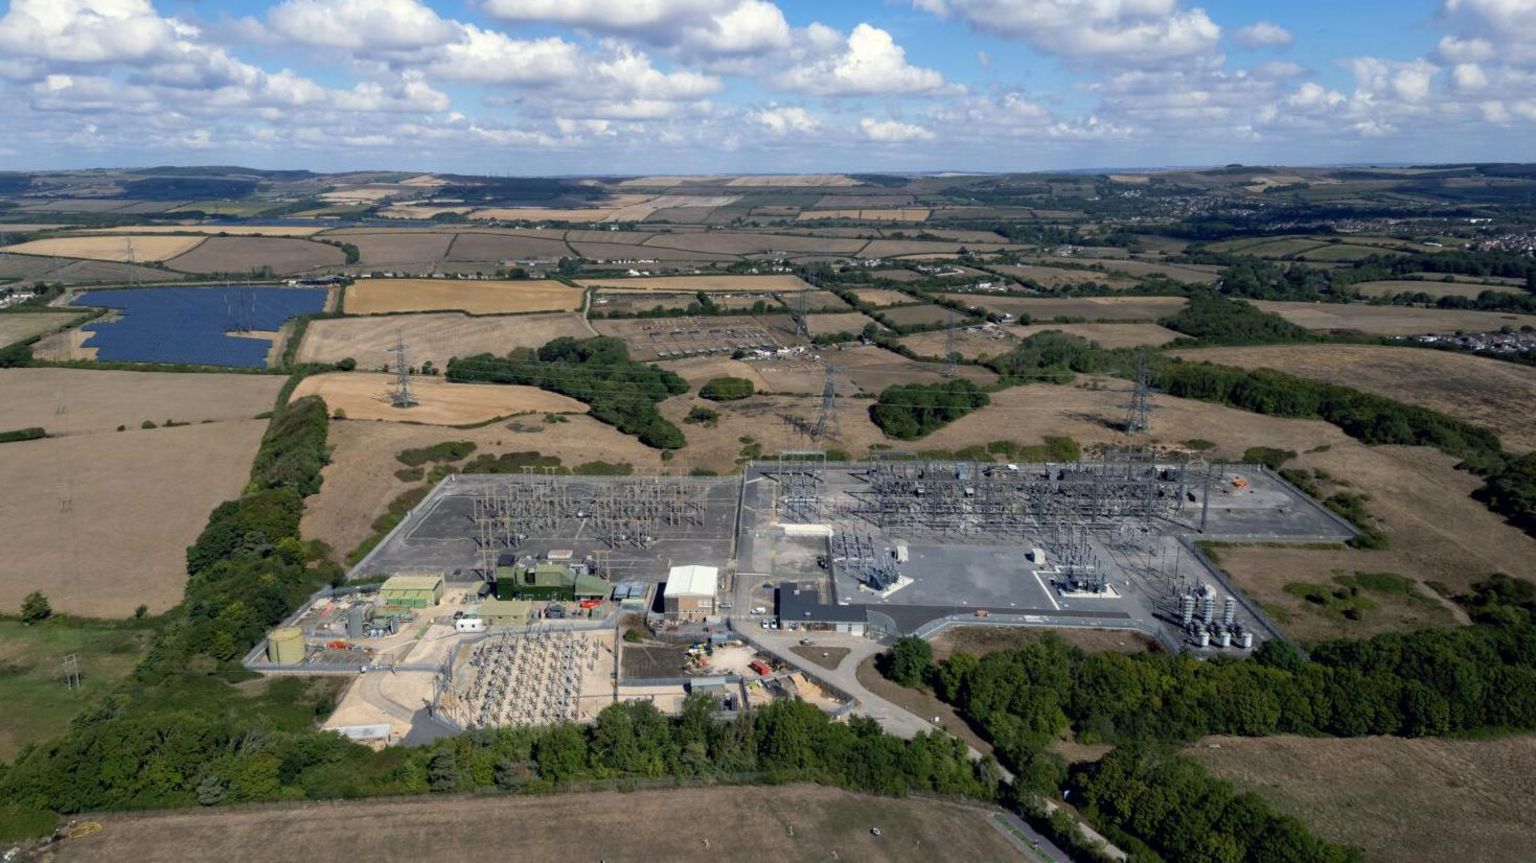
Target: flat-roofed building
{"type": "Point", "coordinates": [690, 592]}
{"type": "Point", "coordinates": [412, 591]}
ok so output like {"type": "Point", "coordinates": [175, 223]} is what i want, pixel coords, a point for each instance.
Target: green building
{"type": "Point", "coordinates": [412, 591]}
{"type": "Point", "coordinates": [547, 581]}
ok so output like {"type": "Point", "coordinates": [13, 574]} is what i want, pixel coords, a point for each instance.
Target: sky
{"type": "Point", "coordinates": [608, 87]}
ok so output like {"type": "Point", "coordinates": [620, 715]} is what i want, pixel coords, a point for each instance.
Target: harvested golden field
{"type": "Point", "coordinates": [869, 369]}
{"type": "Point", "coordinates": [365, 396]}
{"type": "Point", "coordinates": [842, 322]}
{"type": "Point", "coordinates": [1433, 288]}
{"type": "Point", "coordinates": [435, 336]}
{"type": "Point", "coordinates": [1391, 320]}
{"type": "Point", "coordinates": [75, 401]}
{"type": "Point", "coordinates": [246, 230]}
{"type": "Point", "coordinates": [478, 246]}
{"type": "Point", "coordinates": [1187, 273]}
{"type": "Point", "coordinates": [972, 343]}
{"type": "Point", "coordinates": [895, 214]}
{"type": "Point", "coordinates": [360, 481]}
{"type": "Point", "coordinates": [674, 338]}
{"type": "Point", "coordinates": [1051, 278]}
{"type": "Point", "coordinates": [1498, 395]}
{"type": "Point", "coordinates": [243, 254]}
{"type": "Point", "coordinates": [20, 326]}
{"type": "Point", "coordinates": [753, 243]}
{"type": "Point", "coordinates": [693, 284]}
{"type": "Point", "coordinates": [1107, 335]}
{"type": "Point", "coordinates": [1086, 308]}
{"type": "Point", "coordinates": [145, 247]}
{"type": "Point", "coordinates": [881, 297]}
{"type": "Point", "coordinates": [790, 823]}
{"type": "Point", "coordinates": [475, 296]}
{"type": "Point", "coordinates": [100, 523]}
{"type": "Point", "coordinates": [1401, 800]}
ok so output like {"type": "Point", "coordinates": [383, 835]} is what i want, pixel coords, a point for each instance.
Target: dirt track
{"type": "Point", "coordinates": [784, 823]}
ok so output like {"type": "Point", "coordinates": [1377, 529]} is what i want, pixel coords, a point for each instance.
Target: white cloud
{"type": "Point", "coordinates": [868, 62]}
{"type": "Point", "coordinates": [1264, 35]}
{"type": "Point", "coordinates": [713, 27]}
{"type": "Point", "coordinates": [783, 121]}
{"type": "Point", "coordinates": [1110, 32]}
{"type": "Point", "coordinates": [892, 131]}
{"type": "Point", "coordinates": [88, 31]}
{"type": "Point", "coordinates": [362, 26]}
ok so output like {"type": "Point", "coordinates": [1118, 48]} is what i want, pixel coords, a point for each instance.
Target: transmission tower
{"type": "Point", "coordinates": [72, 670]}
{"type": "Point", "coordinates": [1139, 413]}
{"type": "Point", "coordinates": [801, 323]}
{"type": "Point", "coordinates": [949, 345]}
{"type": "Point", "coordinates": [827, 425]}
{"type": "Point", "coordinates": [132, 264]}
{"type": "Point", "coordinates": [400, 392]}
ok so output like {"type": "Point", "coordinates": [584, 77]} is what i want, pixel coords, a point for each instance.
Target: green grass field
{"type": "Point", "coordinates": [32, 672]}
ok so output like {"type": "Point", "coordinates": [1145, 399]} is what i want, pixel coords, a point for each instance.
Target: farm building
{"type": "Point", "coordinates": [412, 591]}
{"type": "Point", "coordinates": [506, 612]}
{"type": "Point", "coordinates": [800, 607]}
{"type": "Point", "coordinates": [548, 581]}
{"type": "Point", "coordinates": [690, 592]}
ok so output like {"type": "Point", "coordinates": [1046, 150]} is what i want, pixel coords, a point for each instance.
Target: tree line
{"type": "Point", "coordinates": [597, 371]}
{"type": "Point", "coordinates": [911, 411]}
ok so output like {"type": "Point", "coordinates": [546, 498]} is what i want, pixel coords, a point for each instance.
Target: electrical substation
{"type": "Point", "coordinates": [540, 571]}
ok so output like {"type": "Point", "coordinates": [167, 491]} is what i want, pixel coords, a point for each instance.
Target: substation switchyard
{"type": "Point", "coordinates": [503, 595]}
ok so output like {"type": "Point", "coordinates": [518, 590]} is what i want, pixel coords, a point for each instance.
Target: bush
{"type": "Point", "coordinates": [35, 608]}
{"type": "Point", "coordinates": [22, 434]}
{"type": "Point", "coordinates": [449, 451]}
{"type": "Point", "coordinates": [910, 411]}
{"type": "Point", "coordinates": [701, 415]}
{"type": "Point", "coordinates": [910, 658]}
{"type": "Point", "coordinates": [1268, 456]}
{"type": "Point", "coordinates": [727, 389]}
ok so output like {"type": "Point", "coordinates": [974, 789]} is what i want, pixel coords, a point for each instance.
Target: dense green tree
{"type": "Point", "coordinates": [35, 607]}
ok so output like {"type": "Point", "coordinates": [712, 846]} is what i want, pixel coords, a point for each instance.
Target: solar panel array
{"type": "Point", "coordinates": [188, 325]}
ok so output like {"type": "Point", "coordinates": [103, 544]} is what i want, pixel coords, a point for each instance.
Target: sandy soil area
{"type": "Point", "coordinates": [365, 396]}
{"type": "Point", "coordinates": [101, 523]}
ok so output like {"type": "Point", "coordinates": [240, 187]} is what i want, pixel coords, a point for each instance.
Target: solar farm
{"type": "Point", "coordinates": [194, 325]}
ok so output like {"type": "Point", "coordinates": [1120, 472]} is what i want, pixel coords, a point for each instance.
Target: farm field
{"type": "Point", "coordinates": [433, 336]}
{"type": "Point", "coordinates": [896, 214]}
{"type": "Point", "coordinates": [870, 369]}
{"type": "Point", "coordinates": [772, 423]}
{"type": "Point", "coordinates": [364, 396]}
{"type": "Point", "coordinates": [243, 254]}
{"type": "Point", "coordinates": [971, 343]}
{"type": "Point", "coordinates": [751, 243]}
{"type": "Point", "coordinates": [1433, 288]}
{"type": "Point", "coordinates": [30, 655]}
{"type": "Point", "coordinates": [693, 284]}
{"type": "Point", "coordinates": [1060, 277]}
{"type": "Point", "coordinates": [191, 325]}
{"type": "Point", "coordinates": [360, 481]}
{"type": "Point", "coordinates": [842, 322]}
{"type": "Point", "coordinates": [77, 272]}
{"type": "Point", "coordinates": [1494, 394]}
{"type": "Point", "coordinates": [1391, 320]}
{"type": "Point", "coordinates": [1380, 793]}
{"type": "Point", "coordinates": [135, 501]}
{"type": "Point", "coordinates": [146, 247]}
{"type": "Point", "coordinates": [20, 326]}
{"type": "Point", "coordinates": [1186, 273]}
{"type": "Point", "coordinates": [881, 297]}
{"type": "Point", "coordinates": [382, 296]}
{"type": "Point", "coordinates": [790, 823]}
{"type": "Point", "coordinates": [907, 316]}
{"type": "Point", "coordinates": [1087, 308]}
{"type": "Point", "coordinates": [420, 251]}
{"type": "Point", "coordinates": [246, 230]}
{"type": "Point", "coordinates": [76, 401]}
{"type": "Point", "coordinates": [1107, 335]}
{"type": "Point", "coordinates": [499, 246]}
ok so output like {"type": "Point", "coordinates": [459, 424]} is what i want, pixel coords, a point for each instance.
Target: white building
{"type": "Point", "coordinates": [690, 592]}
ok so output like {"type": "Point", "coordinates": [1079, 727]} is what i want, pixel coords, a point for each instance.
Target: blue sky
{"type": "Point", "coordinates": [696, 86]}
